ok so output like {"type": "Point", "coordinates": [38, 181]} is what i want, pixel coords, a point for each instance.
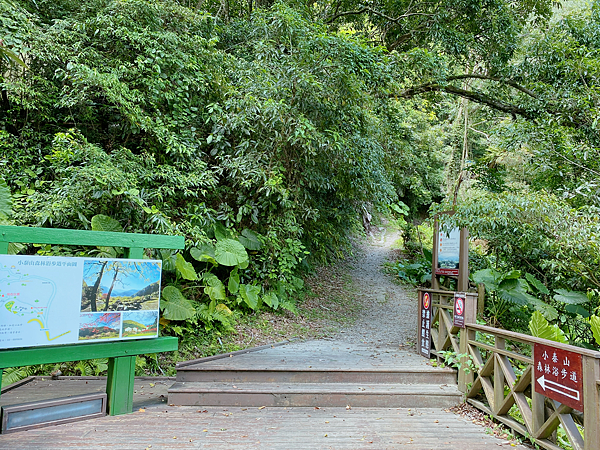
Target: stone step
{"type": "Point", "coordinates": [314, 395]}
{"type": "Point", "coordinates": [257, 374]}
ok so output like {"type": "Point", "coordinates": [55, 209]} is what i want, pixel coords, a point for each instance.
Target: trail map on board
{"type": "Point", "coordinates": [60, 300]}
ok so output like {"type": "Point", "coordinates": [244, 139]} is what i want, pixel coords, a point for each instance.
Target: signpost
{"type": "Point", "coordinates": [559, 375]}
{"type": "Point", "coordinates": [424, 341]}
{"type": "Point", "coordinates": [460, 299]}
{"type": "Point", "coordinates": [448, 253]}
{"type": "Point", "coordinates": [47, 300]}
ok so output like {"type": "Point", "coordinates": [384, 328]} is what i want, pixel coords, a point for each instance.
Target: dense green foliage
{"type": "Point", "coordinates": [532, 198]}
{"type": "Point", "coordinates": [263, 131]}
{"type": "Point", "coordinates": [269, 135]}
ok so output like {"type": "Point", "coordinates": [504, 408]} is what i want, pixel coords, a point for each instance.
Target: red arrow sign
{"type": "Point", "coordinates": [559, 375]}
{"type": "Point", "coordinates": [556, 387]}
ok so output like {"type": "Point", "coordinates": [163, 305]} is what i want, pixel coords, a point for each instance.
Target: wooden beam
{"type": "Point", "coordinates": [519, 337]}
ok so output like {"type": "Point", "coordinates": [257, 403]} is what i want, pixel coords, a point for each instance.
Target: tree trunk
{"type": "Point", "coordinates": [94, 293]}
{"type": "Point", "coordinates": [111, 288]}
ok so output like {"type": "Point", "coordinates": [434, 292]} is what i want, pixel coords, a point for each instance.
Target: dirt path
{"type": "Point", "coordinates": [388, 318]}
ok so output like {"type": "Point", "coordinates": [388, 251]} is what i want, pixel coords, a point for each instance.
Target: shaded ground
{"type": "Point", "coordinates": [388, 311]}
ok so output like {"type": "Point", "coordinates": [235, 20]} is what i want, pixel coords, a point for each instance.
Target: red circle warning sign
{"type": "Point", "coordinates": [426, 300]}
{"type": "Point", "coordinates": [460, 306]}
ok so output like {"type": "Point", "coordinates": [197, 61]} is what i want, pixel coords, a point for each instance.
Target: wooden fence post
{"type": "Point", "coordinates": [480, 298]}
{"type": "Point", "coordinates": [591, 405]}
{"type": "Point", "coordinates": [470, 317]}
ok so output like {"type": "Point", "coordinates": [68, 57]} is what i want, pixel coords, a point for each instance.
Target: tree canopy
{"type": "Point", "coordinates": [272, 127]}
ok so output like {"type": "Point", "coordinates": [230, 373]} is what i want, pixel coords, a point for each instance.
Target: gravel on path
{"type": "Point", "coordinates": [388, 318]}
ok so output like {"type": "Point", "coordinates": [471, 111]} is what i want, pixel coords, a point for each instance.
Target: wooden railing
{"type": "Point", "coordinates": [502, 383]}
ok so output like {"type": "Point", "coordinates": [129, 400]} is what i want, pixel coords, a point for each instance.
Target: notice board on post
{"type": "Point", "coordinates": [424, 325]}
{"type": "Point", "coordinates": [47, 300]}
{"type": "Point", "coordinates": [448, 252]}
{"type": "Point", "coordinates": [450, 256]}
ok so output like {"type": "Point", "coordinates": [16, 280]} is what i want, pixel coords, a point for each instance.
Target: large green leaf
{"type": "Point", "coordinates": [169, 258]}
{"type": "Point", "coordinates": [15, 248]}
{"type": "Point", "coordinates": [185, 268]}
{"type": "Point", "coordinates": [250, 295]}
{"type": "Point", "coordinates": [205, 253]}
{"type": "Point", "coordinates": [214, 287]}
{"type": "Point", "coordinates": [540, 327]}
{"type": "Point", "coordinates": [570, 297]}
{"type": "Point", "coordinates": [548, 311]}
{"type": "Point", "coordinates": [250, 240]}
{"type": "Point", "coordinates": [5, 200]}
{"type": "Point", "coordinates": [515, 291]}
{"type": "Point", "coordinates": [230, 253]}
{"type": "Point", "coordinates": [271, 299]}
{"type": "Point", "coordinates": [100, 222]}
{"type": "Point", "coordinates": [201, 256]}
{"type": "Point", "coordinates": [234, 282]}
{"type": "Point", "coordinates": [222, 232]}
{"type": "Point", "coordinates": [537, 284]}
{"type": "Point", "coordinates": [595, 324]}
{"type": "Point", "coordinates": [577, 309]}
{"type": "Point", "coordinates": [175, 306]}
{"type": "Point", "coordinates": [512, 275]}
{"type": "Point", "coordinates": [489, 277]}
{"type": "Point", "coordinates": [206, 249]}
{"type": "Point", "coordinates": [508, 284]}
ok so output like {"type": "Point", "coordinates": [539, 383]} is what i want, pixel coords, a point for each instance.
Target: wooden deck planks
{"type": "Point", "coordinates": [323, 354]}
{"type": "Point", "coordinates": [45, 388]}
{"type": "Point", "coordinates": [164, 427]}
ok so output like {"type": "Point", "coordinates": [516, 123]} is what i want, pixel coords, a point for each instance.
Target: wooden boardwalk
{"type": "Point", "coordinates": [155, 424]}
{"type": "Point", "coordinates": [316, 373]}
{"type": "Point", "coordinates": [164, 427]}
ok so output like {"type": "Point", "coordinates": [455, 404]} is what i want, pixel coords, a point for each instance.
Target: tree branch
{"type": "Point", "coordinates": [377, 13]}
{"type": "Point", "coordinates": [511, 83]}
{"type": "Point", "coordinates": [475, 96]}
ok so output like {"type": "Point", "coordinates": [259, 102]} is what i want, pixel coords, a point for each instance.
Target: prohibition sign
{"type": "Point", "coordinates": [459, 306]}
{"type": "Point", "coordinates": [426, 300]}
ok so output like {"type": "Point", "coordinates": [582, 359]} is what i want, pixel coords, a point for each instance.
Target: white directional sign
{"type": "Point", "coordinates": [559, 388]}
{"type": "Point", "coordinates": [558, 375]}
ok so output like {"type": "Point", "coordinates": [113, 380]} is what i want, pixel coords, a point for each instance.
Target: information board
{"type": "Point", "coordinates": [425, 302]}
{"type": "Point", "coordinates": [559, 375]}
{"type": "Point", "coordinates": [448, 252]}
{"type": "Point", "coordinates": [60, 300]}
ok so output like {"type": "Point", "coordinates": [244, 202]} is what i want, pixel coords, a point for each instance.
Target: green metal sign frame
{"type": "Point", "coordinates": [121, 355]}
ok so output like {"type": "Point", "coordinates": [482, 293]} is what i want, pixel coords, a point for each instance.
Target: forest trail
{"type": "Point", "coordinates": [388, 316]}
